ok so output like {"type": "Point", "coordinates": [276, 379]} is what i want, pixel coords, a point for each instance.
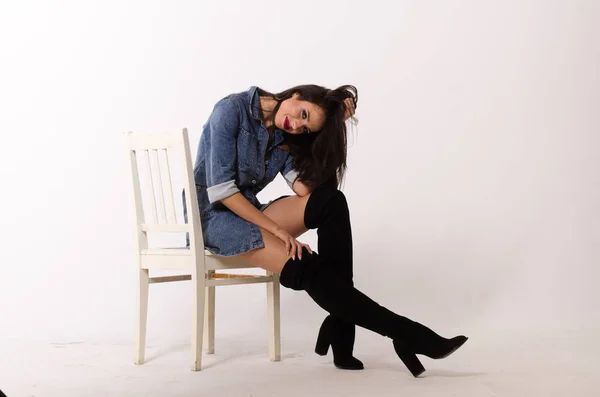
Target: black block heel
{"type": "Point", "coordinates": [330, 335]}
{"type": "Point", "coordinates": [323, 343]}
{"type": "Point", "coordinates": [409, 359]}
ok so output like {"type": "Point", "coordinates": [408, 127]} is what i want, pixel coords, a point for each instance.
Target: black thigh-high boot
{"type": "Point", "coordinates": [327, 211]}
{"type": "Point", "coordinates": [341, 299]}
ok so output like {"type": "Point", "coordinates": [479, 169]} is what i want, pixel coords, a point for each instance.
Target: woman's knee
{"type": "Point", "coordinates": [289, 214]}
{"type": "Point", "coordinates": [272, 257]}
{"type": "Point", "coordinates": [324, 200]}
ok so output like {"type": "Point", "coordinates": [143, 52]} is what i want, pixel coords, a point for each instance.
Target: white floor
{"type": "Point", "coordinates": [565, 365]}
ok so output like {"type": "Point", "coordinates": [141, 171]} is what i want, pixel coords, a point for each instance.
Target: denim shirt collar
{"type": "Point", "coordinates": [254, 103]}
{"type": "Point", "coordinates": [254, 108]}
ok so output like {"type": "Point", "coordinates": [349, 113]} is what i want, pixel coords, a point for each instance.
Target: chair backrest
{"type": "Point", "coordinates": [155, 150]}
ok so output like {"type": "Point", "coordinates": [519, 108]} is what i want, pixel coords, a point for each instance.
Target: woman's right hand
{"type": "Point", "coordinates": [350, 108]}
{"type": "Point", "coordinates": [293, 247]}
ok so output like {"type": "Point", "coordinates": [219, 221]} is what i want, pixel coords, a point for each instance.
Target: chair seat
{"type": "Point", "coordinates": [181, 258]}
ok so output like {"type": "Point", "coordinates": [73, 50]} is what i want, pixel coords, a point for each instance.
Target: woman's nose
{"type": "Point", "coordinates": [296, 125]}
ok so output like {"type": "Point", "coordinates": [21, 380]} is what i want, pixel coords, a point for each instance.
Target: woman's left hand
{"type": "Point", "coordinates": [349, 108]}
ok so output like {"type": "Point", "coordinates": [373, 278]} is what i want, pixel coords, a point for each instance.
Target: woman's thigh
{"type": "Point", "coordinates": [272, 257]}
{"type": "Point", "coordinates": [289, 214]}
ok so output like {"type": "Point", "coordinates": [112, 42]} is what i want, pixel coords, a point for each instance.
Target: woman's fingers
{"type": "Point", "coordinates": [298, 249]}
{"type": "Point", "coordinates": [294, 248]}
{"type": "Point", "coordinates": [302, 245]}
{"type": "Point", "coordinates": [307, 247]}
{"type": "Point", "coordinates": [350, 106]}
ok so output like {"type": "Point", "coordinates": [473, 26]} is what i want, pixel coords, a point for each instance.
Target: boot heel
{"type": "Point", "coordinates": [412, 363]}
{"type": "Point", "coordinates": [324, 337]}
{"type": "Point", "coordinates": [409, 359]}
{"type": "Point", "coordinates": [322, 346]}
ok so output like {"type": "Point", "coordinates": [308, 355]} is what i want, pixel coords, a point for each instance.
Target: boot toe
{"type": "Point", "coordinates": [351, 363]}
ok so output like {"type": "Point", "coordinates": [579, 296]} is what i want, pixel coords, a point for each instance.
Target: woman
{"type": "Point", "coordinates": [300, 133]}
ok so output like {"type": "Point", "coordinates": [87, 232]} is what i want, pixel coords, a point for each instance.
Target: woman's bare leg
{"type": "Point", "coordinates": [272, 257]}
{"type": "Point", "coordinates": [289, 214]}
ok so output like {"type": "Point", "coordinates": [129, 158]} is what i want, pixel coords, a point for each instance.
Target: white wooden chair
{"type": "Point", "coordinates": [201, 264]}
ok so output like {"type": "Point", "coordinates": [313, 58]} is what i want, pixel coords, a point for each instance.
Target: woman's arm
{"type": "Point", "coordinates": [240, 206]}
{"type": "Point", "coordinates": [300, 188]}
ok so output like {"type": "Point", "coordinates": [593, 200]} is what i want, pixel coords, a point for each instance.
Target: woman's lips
{"type": "Point", "coordinates": [286, 123]}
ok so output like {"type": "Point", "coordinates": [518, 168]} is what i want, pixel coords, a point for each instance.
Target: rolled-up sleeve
{"type": "Point", "coordinates": [289, 174]}
{"type": "Point", "coordinates": [221, 162]}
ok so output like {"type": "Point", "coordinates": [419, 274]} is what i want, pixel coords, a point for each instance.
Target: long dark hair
{"type": "Point", "coordinates": [319, 157]}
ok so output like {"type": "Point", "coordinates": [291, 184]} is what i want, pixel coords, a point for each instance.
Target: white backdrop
{"type": "Point", "coordinates": [473, 172]}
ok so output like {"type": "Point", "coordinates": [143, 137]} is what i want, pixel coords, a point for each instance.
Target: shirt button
{"type": "Point", "coordinates": [267, 162]}
{"type": "Point", "coordinates": [254, 181]}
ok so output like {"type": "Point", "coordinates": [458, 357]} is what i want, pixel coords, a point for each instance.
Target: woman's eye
{"type": "Point", "coordinates": [306, 130]}
{"type": "Point", "coordinates": [304, 114]}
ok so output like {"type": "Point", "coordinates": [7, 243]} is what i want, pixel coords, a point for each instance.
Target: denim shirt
{"type": "Point", "coordinates": [233, 155]}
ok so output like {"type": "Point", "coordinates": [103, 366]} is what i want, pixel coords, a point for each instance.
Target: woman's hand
{"type": "Point", "coordinates": [350, 109]}
{"type": "Point", "coordinates": [293, 247]}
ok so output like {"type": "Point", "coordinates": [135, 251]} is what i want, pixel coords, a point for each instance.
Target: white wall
{"type": "Point", "coordinates": [473, 175]}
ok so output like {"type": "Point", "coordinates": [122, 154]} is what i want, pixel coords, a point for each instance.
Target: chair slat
{"type": "Point", "coordinates": [162, 215]}
{"type": "Point", "coordinates": [152, 141]}
{"type": "Point", "coordinates": [167, 251]}
{"type": "Point", "coordinates": [236, 281]}
{"type": "Point", "coordinates": [152, 193]}
{"type": "Point", "coordinates": [169, 190]}
{"type": "Point", "coordinates": [167, 279]}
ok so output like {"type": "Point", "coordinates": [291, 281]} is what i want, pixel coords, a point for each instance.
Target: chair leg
{"type": "Point", "coordinates": [142, 315]}
{"type": "Point", "coordinates": [209, 318]}
{"type": "Point", "coordinates": [199, 284]}
{"type": "Point", "coordinates": [274, 318]}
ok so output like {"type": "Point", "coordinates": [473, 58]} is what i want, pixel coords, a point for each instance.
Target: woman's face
{"type": "Point", "coordinates": [296, 116]}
